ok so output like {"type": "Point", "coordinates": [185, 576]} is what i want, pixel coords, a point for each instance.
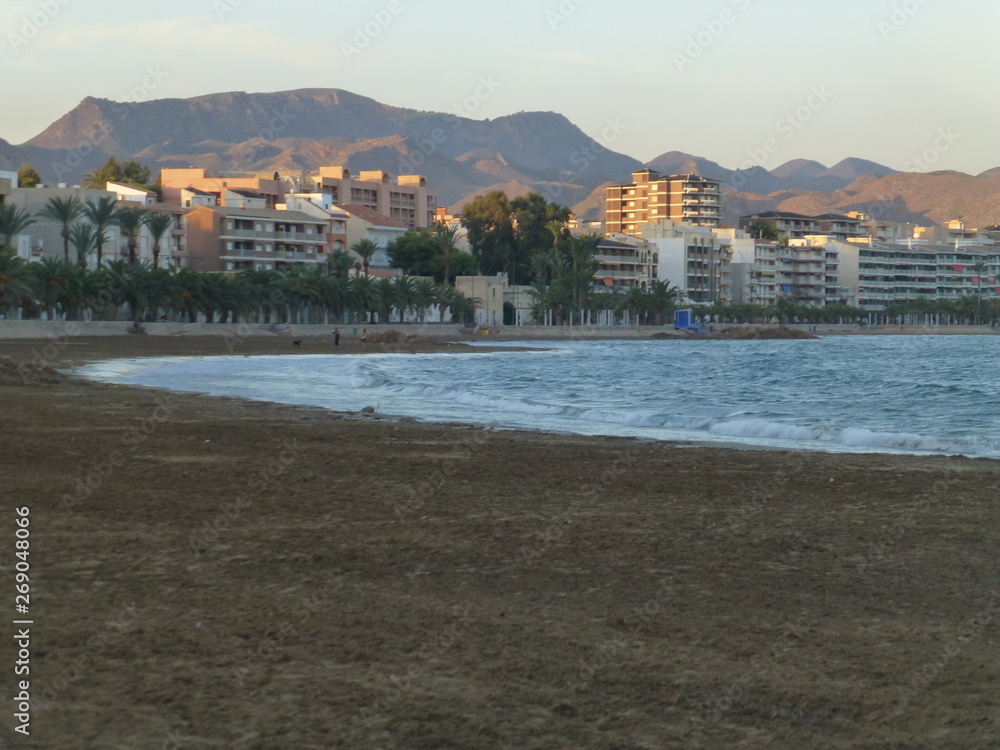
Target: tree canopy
{"type": "Point", "coordinates": [28, 177]}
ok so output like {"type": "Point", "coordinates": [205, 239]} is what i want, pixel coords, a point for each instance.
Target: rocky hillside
{"type": "Point", "coordinates": [462, 157]}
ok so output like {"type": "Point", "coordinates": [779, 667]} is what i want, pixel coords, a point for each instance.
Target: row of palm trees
{"type": "Point", "coordinates": [85, 225]}
{"type": "Point", "coordinates": [315, 294]}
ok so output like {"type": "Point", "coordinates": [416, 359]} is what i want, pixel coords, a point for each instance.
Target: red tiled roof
{"type": "Point", "coordinates": [371, 215]}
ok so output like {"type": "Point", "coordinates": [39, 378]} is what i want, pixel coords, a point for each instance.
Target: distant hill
{"type": "Point", "coordinates": [310, 128]}
{"type": "Point", "coordinates": [527, 151]}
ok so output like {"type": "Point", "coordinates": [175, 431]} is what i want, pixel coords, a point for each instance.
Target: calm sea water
{"type": "Point", "coordinates": [905, 394]}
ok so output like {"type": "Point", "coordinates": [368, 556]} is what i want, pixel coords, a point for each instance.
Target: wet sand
{"type": "Point", "coordinates": [221, 573]}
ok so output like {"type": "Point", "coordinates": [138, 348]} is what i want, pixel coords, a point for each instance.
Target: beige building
{"type": "Point", "coordinates": [364, 223]}
{"type": "Point", "coordinates": [407, 200]}
{"type": "Point", "coordinates": [240, 239]}
{"type": "Point", "coordinates": [651, 198]}
{"type": "Point", "coordinates": [488, 291]}
{"type": "Point", "coordinates": [624, 261]}
{"type": "Point", "coordinates": [174, 182]}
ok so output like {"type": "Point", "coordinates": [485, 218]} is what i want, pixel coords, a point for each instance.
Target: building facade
{"type": "Point", "coordinates": [241, 239]}
{"type": "Point", "coordinates": [650, 198]}
{"type": "Point", "coordinates": [407, 199]}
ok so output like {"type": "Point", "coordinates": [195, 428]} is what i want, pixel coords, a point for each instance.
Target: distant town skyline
{"type": "Point", "coordinates": [906, 83]}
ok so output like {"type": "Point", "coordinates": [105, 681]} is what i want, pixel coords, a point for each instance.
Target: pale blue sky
{"type": "Point", "coordinates": [731, 80]}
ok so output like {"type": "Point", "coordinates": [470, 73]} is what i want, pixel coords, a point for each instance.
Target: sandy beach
{"type": "Point", "coordinates": [217, 573]}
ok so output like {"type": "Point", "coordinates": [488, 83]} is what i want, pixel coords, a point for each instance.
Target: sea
{"type": "Point", "coordinates": [859, 394]}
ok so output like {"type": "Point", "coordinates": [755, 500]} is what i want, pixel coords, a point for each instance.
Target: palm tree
{"type": "Point", "coordinates": [335, 297]}
{"type": "Point", "coordinates": [365, 249]}
{"type": "Point", "coordinates": [63, 211]}
{"type": "Point", "coordinates": [16, 283]}
{"type": "Point", "coordinates": [262, 292]}
{"type": "Point", "coordinates": [388, 296]}
{"type": "Point", "coordinates": [103, 215]}
{"type": "Point", "coordinates": [131, 220]}
{"type": "Point", "coordinates": [13, 221]}
{"type": "Point", "coordinates": [339, 262]}
{"type": "Point", "coordinates": [158, 223]}
{"type": "Point", "coordinates": [424, 293]}
{"type": "Point", "coordinates": [364, 295]}
{"type": "Point", "coordinates": [662, 297]}
{"type": "Point", "coordinates": [84, 239]}
{"type": "Point", "coordinates": [52, 285]}
{"type": "Point", "coordinates": [556, 227]}
{"type": "Point", "coordinates": [447, 239]}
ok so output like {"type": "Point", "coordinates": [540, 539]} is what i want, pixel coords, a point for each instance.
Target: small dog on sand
{"type": "Point", "coordinates": [296, 342]}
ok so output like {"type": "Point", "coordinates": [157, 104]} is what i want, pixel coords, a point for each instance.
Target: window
{"type": "Point", "coordinates": [229, 224]}
{"type": "Point", "coordinates": [229, 245]}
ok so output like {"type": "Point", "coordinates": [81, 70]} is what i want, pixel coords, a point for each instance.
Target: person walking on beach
{"type": "Point", "coordinates": [364, 338]}
{"type": "Point", "coordinates": [336, 338]}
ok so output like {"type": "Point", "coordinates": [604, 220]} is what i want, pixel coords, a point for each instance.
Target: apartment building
{"type": "Point", "coordinates": [221, 238]}
{"type": "Point", "coordinates": [650, 198]}
{"type": "Point", "coordinates": [364, 223]}
{"type": "Point", "coordinates": [43, 238]}
{"type": "Point", "coordinates": [693, 258]}
{"type": "Point", "coordinates": [407, 199]}
{"type": "Point", "coordinates": [798, 226]}
{"type": "Point", "coordinates": [625, 261]}
{"type": "Point", "coordinates": [175, 181]}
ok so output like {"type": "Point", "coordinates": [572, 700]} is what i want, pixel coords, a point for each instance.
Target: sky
{"type": "Point", "coordinates": [905, 83]}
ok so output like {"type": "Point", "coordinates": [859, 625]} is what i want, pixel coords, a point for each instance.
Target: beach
{"type": "Point", "coordinates": [212, 572]}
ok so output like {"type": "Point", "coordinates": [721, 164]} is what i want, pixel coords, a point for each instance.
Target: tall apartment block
{"type": "Point", "coordinates": [688, 199]}
{"type": "Point", "coordinates": [408, 199]}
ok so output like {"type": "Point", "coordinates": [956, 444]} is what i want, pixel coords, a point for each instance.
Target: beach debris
{"type": "Point", "coordinates": [392, 336]}
{"type": "Point", "coordinates": [762, 332]}
{"type": "Point", "coordinates": [28, 373]}
{"type": "Point", "coordinates": [368, 410]}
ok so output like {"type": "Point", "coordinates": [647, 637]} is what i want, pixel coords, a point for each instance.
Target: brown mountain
{"type": "Point", "coordinates": [309, 128]}
{"type": "Point", "coordinates": [461, 157]}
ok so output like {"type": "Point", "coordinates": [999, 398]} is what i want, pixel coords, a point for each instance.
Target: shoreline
{"type": "Point", "coordinates": [75, 354]}
{"type": "Point", "coordinates": [204, 563]}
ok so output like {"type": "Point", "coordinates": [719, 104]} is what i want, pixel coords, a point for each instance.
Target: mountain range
{"type": "Point", "coordinates": [462, 157]}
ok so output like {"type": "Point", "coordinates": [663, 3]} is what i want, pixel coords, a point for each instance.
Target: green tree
{"type": "Point", "coordinates": [103, 214]}
{"type": "Point", "coordinates": [16, 282]}
{"type": "Point", "coordinates": [111, 171]}
{"type": "Point", "coordinates": [488, 220]}
{"type": "Point", "coordinates": [63, 211]}
{"type": "Point", "coordinates": [339, 263]}
{"type": "Point", "coordinates": [764, 230]}
{"type": "Point", "coordinates": [130, 220]}
{"type": "Point", "coordinates": [84, 239]}
{"type": "Point", "coordinates": [28, 177]}
{"type": "Point", "coordinates": [447, 240]}
{"type": "Point", "coordinates": [416, 253]}
{"type": "Point", "coordinates": [981, 268]}
{"type": "Point", "coordinates": [365, 249]}
{"type": "Point", "coordinates": [133, 173]}
{"type": "Point", "coordinates": [533, 216]}
{"type": "Point", "coordinates": [159, 224]}
{"type": "Point", "coordinates": [13, 221]}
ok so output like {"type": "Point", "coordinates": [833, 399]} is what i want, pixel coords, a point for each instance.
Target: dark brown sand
{"type": "Point", "coordinates": [212, 573]}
